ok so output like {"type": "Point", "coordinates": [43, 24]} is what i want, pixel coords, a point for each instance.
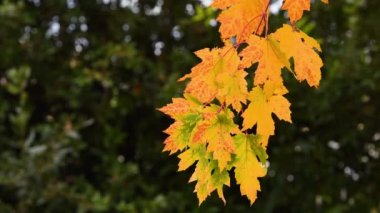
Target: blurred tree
{"type": "Point", "coordinates": [80, 82]}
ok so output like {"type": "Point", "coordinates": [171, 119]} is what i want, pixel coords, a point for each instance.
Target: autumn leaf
{"type": "Point", "coordinates": [295, 8]}
{"type": "Point", "coordinates": [240, 18]}
{"type": "Point", "coordinates": [180, 106]}
{"type": "Point", "coordinates": [219, 138]}
{"type": "Point", "coordinates": [247, 167]}
{"type": "Point", "coordinates": [190, 156]}
{"type": "Point", "coordinates": [302, 48]}
{"type": "Point", "coordinates": [205, 132]}
{"type": "Point", "coordinates": [177, 108]}
{"type": "Point", "coordinates": [208, 177]}
{"type": "Point", "coordinates": [218, 76]}
{"type": "Point", "coordinates": [259, 111]}
{"type": "Point", "coordinates": [270, 57]}
{"type": "Point", "coordinates": [218, 180]}
{"type": "Point", "coordinates": [202, 76]}
{"type": "Point", "coordinates": [187, 114]}
{"type": "Point", "coordinates": [217, 133]}
{"type": "Point", "coordinates": [234, 89]}
{"type": "Point", "coordinates": [171, 141]}
{"type": "Point", "coordinates": [202, 175]}
{"type": "Point", "coordinates": [230, 80]}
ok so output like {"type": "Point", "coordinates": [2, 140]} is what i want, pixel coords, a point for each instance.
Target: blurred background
{"type": "Point", "coordinates": [80, 82]}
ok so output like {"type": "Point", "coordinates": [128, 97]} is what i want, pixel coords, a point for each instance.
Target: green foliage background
{"type": "Point", "coordinates": [80, 82]}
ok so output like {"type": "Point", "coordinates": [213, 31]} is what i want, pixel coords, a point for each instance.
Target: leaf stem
{"type": "Point", "coordinates": [245, 28]}
{"type": "Point", "coordinates": [221, 108]}
{"type": "Point", "coordinates": [263, 17]}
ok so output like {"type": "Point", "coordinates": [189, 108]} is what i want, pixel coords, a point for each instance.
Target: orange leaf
{"type": "Point", "coordinates": [307, 63]}
{"type": "Point", "coordinates": [223, 4]}
{"type": "Point", "coordinates": [240, 18]}
{"type": "Point", "coordinates": [295, 8]}
{"type": "Point", "coordinates": [177, 108]}
{"type": "Point", "coordinates": [218, 76]}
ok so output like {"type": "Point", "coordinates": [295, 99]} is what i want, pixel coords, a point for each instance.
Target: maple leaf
{"type": "Point", "coordinates": [230, 80]}
{"type": "Point", "coordinates": [247, 167]}
{"type": "Point", "coordinates": [184, 131]}
{"type": "Point", "coordinates": [202, 175]}
{"type": "Point", "coordinates": [263, 104]}
{"type": "Point", "coordinates": [203, 169]}
{"type": "Point", "coordinates": [209, 178]}
{"type": "Point", "coordinates": [234, 90]}
{"type": "Point", "coordinates": [218, 76]}
{"type": "Point", "coordinates": [295, 8]}
{"type": "Point", "coordinates": [171, 142]}
{"type": "Point", "coordinates": [178, 107]}
{"type": "Point", "coordinates": [218, 180]}
{"type": "Point", "coordinates": [216, 132]}
{"type": "Point", "coordinates": [202, 76]}
{"type": "Point", "coordinates": [187, 114]}
{"type": "Point", "coordinates": [307, 63]}
{"type": "Point", "coordinates": [189, 156]}
{"type": "Point", "coordinates": [219, 138]}
{"type": "Point", "coordinates": [240, 18]}
{"type": "Point", "coordinates": [197, 127]}
{"type": "Point", "coordinates": [204, 133]}
{"type": "Point", "coordinates": [270, 57]}
{"type": "Point", "coordinates": [181, 106]}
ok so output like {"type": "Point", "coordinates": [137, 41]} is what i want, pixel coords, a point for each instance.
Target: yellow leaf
{"type": "Point", "coordinates": [202, 175]}
{"type": "Point", "coordinates": [307, 63]}
{"type": "Point", "coordinates": [280, 55]}
{"type": "Point", "coordinates": [233, 89]}
{"type": "Point", "coordinates": [247, 167]}
{"type": "Point", "coordinates": [263, 104]}
{"type": "Point", "coordinates": [181, 132]}
{"type": "Point", "coordinates": [258, 113]}
{"type": "Point", "coordinates": [280, 107]}
{"type": "Point", "coordinates": [171, 141]}
{"type": "Point", "coordinates": [265, 51]}
{"type": "Point", "coordinates": [230, 80]}
{"type": "Point", "coordinates": [276, 88]}
{"type": "Point", "coordinates": [218, 76]}
{"type": "Point", "coordinates": [208, 177]}
{"type": "Point", "coordinates": [187, 158]}
{"type": "Point", "coordinates": [219, 138]}
{"type": "Point", "coordinates": [218, 180]}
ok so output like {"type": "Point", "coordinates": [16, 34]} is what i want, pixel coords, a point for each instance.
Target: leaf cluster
{"type": "Point", "coordinates": [206, 131]}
